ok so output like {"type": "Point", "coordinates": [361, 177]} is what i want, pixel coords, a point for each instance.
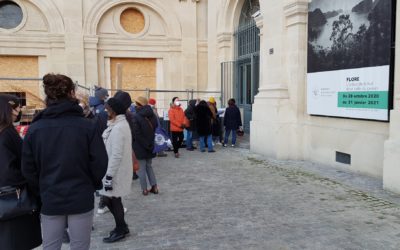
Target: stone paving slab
{"type": "Point", "coordinates": [233, 199]}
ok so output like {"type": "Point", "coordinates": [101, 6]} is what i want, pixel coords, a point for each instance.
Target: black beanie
{"type": "Point", "coordinates": [124, 98]}
{"type": "Point", "coordinates": [116, 106]}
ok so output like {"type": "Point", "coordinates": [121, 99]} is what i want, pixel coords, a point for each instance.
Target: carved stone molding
{"type": "Point", "coordinates": [296, 12]}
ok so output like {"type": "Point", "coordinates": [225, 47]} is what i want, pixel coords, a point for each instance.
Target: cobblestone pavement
{"type": "Point", "coordinates": [233, 199]}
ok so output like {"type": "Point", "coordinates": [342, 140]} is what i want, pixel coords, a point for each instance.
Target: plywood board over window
{"type": "Point", "coordinates": [21, 67]}
{"type": "Point", "coordinates": [137, 73]}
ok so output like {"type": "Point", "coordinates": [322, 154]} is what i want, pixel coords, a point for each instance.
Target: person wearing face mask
{"type": "Point", "coordinates": [22, 232]}
{"type": "Point", "coordinates": [177, 124]}
{"type": "Point", "coordinates": [117, 182]}
{"type": "Point", "coordinates": [64, 159]}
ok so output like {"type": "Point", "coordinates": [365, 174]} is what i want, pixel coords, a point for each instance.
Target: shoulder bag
{"type": "Point", "coordinates": [16, 201]}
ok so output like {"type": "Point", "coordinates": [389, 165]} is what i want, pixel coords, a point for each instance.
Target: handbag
{"type": "Point", "coordinates": [16, 201]}
{"type": "Point", "coordinates": [135, 162]}
{"type": "Point", "coordinates": [162, 141]}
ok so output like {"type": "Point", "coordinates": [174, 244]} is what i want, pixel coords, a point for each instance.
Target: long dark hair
{"type": "Point", "coordinates": [7, 104]}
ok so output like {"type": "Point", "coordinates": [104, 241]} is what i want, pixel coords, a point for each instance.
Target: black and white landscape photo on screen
{"type": "Point", "coordinates": [348, 34]}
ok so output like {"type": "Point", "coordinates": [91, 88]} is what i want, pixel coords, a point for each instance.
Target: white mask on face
{"type": "Point", "coordinates": [177, 103]}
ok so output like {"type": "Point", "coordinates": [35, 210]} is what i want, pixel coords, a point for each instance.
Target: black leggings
{"type": "Point", "coordinates": [115, 206]}
{"type": "Point", "coordinates": [177, 140]}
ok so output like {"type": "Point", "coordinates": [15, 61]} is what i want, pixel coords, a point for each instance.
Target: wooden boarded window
{"type": "Point", "coordinates": [137, 73]}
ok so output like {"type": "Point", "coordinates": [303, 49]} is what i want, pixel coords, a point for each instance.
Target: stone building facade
{"type": "Point", "coordinates": [183, 44]}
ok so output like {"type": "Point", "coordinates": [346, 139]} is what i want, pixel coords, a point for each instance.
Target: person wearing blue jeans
{"type": "Point", "coordinates": [190, 115]}
{"type": "Point", "coordinates": [232, 121]}
{"type": "Point", "coordinates": [189, 140]}
{"type": "Point", "coordinates": [227, 133]}
{"type": "Point", "coordinates": [203, 125]}
{"type": "Point", "coordinates": [209, 143]}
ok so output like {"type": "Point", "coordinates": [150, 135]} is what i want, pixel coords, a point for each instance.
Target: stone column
{"type": "Point", "coordinates": [189, 45]}
{"type": "Point", "coordinates": [74, 46]}
{"type": "Point", "coordinates": [91, 60]}
{"type": "Point", "coordinates": [278, 108]}
{"type": "Point", "coordinates": [391, 162]}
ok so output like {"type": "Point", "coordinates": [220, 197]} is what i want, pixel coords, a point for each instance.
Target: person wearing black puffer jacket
{"type": "Point", "coordinates": [65, 159]}
{"type": "Point", "coordinates": [144, 126]}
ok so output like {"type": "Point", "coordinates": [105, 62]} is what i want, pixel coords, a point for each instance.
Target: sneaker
{"type": "Point", "coordinates": [203, 150]}
{"type": "Point", "coordinates": [233, 145]}
{"type": "Point", "coordinates": [177, 155]}
{"type": "Point", "coordinates": [211, 151]}
{"type": "Point", "coordinates": [102, 210]}
{"type": "Point", "coordinates": [135, 176]}
{"type": "Point", "coordinates": [190, 149]}
{"type": "Point", "coordinates": [224, 145]}
{"type": "Point", "coordinates": [218, 143]}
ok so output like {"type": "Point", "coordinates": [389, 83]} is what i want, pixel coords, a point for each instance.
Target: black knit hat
{"type": "Point", "coordinates": [124, 98]}
{"type": "Point", "coordinates": [116, 106]}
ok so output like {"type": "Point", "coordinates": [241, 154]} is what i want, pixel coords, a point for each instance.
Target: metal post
{"type": "Point", "coordinates": [192, 94]}
{"type": "Point", "coordinates": [147, 93]}
{"type": "Point", "coordinates": [252, 79]}
{"type": "Point", "coordinates": [187, 95]}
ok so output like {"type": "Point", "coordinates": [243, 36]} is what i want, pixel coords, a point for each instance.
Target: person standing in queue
{"type": "Point", "coordinates": [117, 182]}
{"type": "Point", "coordinates": [191, 117]}
{"type": "Point", "coordinates": [232, 122]}
{"type": "Point", "coordinates": [65, 160]}
{"type": "Point", "coordinates": [144, 126]}
{"type": "Point", "coordinates": [22, 232]}
{"type": "Point", "coordinates": [203, 125]}
{"type": "Point", "coordinates": [177, 124]}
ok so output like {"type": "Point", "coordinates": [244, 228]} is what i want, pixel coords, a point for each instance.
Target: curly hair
{"type": "Point", "coordinates": [58, 87]}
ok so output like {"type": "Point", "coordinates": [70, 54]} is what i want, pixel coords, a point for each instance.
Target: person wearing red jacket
{"type": "Point", "coordinates": [177, 124]}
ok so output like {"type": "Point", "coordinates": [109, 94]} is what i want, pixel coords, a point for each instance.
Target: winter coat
{"type": "Point", "coordinates": [232, 118]}
{"type": "Point", "coordinates": [190, 115]}
{"type": "Point", "coordinates": [213, 110]}
{"type": "Point", "coordinates": [203, 120]}
{"type": "Point", "coordinates": [23, 232]}
{"type": "Point", "coordinates": [216, 121]}
{"type": "Point", "coordinates": [144, 126]}
{"type": "Point", "coordinates": [176, 119]}
{"type": "Point", "coordinates": [99, 112]}
{"type": "Point", "coordinates": [64, 157]}
{"type": "Point", "coordinates": [118, 141]}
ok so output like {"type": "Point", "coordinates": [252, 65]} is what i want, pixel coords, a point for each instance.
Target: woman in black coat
{"type": "Point", "coordinates": [23, 232]}
{"type": "Point", "coordinates": [203, 125]}
{"type": "Point", "coordinates": [144, 126]}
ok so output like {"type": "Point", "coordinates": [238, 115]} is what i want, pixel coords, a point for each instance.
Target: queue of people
{"type": "Point", "coordinates": [105, 141]}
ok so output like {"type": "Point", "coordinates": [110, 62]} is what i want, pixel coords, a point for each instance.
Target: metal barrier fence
{"type": "Point", "coordinates": [31, 93]}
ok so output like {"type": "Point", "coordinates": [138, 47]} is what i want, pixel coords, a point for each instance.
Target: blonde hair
{"type": "Point", "coordinates": [83, 98]}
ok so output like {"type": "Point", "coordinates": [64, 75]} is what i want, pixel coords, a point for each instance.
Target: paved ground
{"type": "Point", "coordinates": [233, 199]}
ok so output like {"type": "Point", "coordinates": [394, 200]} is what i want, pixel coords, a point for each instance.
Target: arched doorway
{"type": "Point", "coordinates": [247, 60]}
